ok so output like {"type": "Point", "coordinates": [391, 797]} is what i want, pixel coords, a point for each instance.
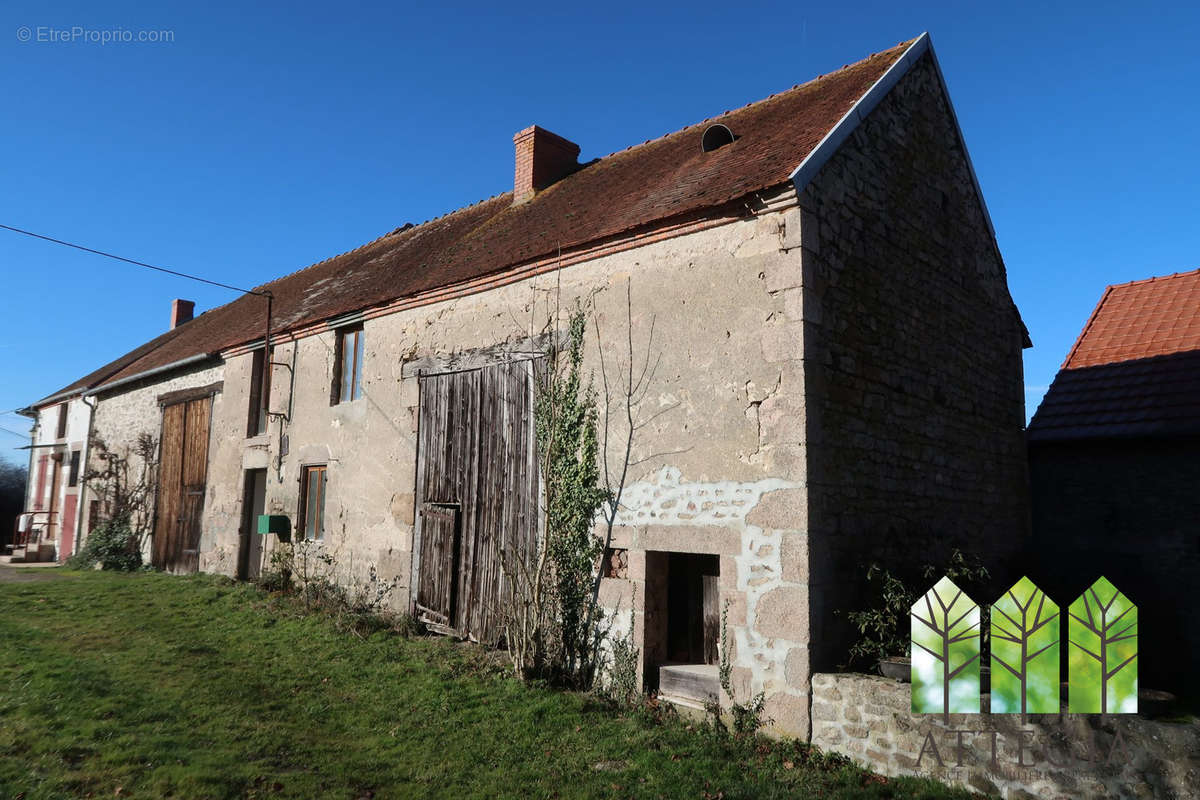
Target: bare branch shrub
{"type": "Point", "coordinates": [550, 610]}
{"type": "Point", "coordinates": [124, 480]}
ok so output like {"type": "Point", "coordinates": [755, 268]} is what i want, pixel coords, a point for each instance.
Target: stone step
{"type": "Point", "coordinates": [31, 554]}
{"type": "Point", "coordinates": [691, 685]}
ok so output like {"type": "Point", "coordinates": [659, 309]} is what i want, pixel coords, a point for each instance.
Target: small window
{"type": "Point", "coordinates": [73, 471]}
{"type": "Point", "coordinates": [62, 421]}
{"type": "Point", "coordinates": [312, 502]}
{"type": "Point", "coordinates": [260, 392]}
{"type": "Point", "coordinates": [347, 374]}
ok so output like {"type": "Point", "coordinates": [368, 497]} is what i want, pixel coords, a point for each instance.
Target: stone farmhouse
{"type": "Point", "coordinates": [1114, 460]}
{"type": "Point", "coordinates": [58, 511]}
{"type": "Point", "coordinates": [838, 380]}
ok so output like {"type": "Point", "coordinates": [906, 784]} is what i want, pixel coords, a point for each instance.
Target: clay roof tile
{"type": "Point", "coordinates": [662, 180]}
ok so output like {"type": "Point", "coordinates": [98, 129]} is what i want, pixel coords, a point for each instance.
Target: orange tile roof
{"type": "Point", "coordinates": [1135, 369]}
{"type": "Point", "coordinates": [1141, 319]}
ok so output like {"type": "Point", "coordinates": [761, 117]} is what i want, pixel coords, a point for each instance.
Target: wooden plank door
{"type": "Point", "coordinates": [477, 456]}
{"type": "Point", "coordinates": [446, 468]}
{"type": "Point", "coordinates": [506, 490]}
{"type": "Point", "coordinates": [437, 587]}
{"type": "Point", "coordinates": [183, 472]}
{"type": "Point", "coordinates": [170, 471]}
{"type": "Point", "coordinates": [250, 544]}
{"type": "Point", "coordinates": [194, 478]}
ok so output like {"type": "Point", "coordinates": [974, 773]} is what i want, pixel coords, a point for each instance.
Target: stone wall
{"type": "Point", "coordinates": [1054, 757]}
{"type": "Point", "coordinates": [367, 444]}
{"type": "Point", "coordinates": [129, 411]}
{"type": "Point", "coordinates": [717, 468]}
{"type": "Point", "coordinates": [912, 361]}
{"type": "Point", "coordinates": [1128, 510]}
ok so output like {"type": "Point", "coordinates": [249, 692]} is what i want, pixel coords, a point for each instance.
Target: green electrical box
{"type": "Point", "coordinates": [277, 524]}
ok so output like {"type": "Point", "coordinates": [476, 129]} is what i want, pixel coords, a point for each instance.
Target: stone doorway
{"type": "Point", "coordinates": [683, 619]}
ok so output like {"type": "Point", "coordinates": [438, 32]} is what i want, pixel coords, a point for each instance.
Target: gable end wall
{"type": "Point", "coordinates": [912, 360]}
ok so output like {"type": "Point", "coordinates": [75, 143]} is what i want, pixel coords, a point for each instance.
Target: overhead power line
{"type": "Point", "coordinates": [14, 433]}
{"type": "Point", "coordinates": [176, 273]}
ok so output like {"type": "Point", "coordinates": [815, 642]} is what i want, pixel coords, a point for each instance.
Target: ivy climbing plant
{"type": "Point", "coordinates": [565, 418]}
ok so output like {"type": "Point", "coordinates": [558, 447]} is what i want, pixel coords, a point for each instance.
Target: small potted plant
{"type": "Point", "coordinates": [883, 630]}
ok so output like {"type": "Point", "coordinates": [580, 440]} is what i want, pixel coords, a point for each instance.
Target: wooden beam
{"type": "Point", "coordinates": [195, 393]}
{"type": "Point", "coordinates": [526, 349]}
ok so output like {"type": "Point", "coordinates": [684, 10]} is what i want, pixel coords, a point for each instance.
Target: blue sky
{"type": "Point", "coordinates": [266, 138]}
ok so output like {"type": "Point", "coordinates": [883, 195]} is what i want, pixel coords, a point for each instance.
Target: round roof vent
{"type": "Point", "coordinates": [716, 136]}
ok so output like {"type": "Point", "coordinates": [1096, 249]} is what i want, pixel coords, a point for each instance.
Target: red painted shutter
{"type": "Point", "coordinates": [39, 499]}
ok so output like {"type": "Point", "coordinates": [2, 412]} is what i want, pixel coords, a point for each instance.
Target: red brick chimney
{"type": "Point", "coordinates": [542, 158]}
{"type": "Point", "coordinates": [181, 312]}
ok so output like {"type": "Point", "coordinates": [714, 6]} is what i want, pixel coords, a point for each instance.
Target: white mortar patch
{"type": "Point", "coordinates": [760, 570]}
{"type": "Point", "coordinates": [667, 500]}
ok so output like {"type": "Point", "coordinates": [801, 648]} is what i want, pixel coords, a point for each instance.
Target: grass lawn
{"type": "Point", "coordinates": [147, 685]}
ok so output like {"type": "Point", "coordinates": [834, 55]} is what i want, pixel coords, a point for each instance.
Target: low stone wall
{"type": "Point", "coordinates": [1053, 756]}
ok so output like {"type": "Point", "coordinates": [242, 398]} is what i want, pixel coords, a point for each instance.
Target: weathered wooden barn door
{"type": "Point", "coordinates": [476, 491]}
{"type": "Point", "coordinates": [183, 473]}
{"type": "Point", "coordinates": [441, 542]}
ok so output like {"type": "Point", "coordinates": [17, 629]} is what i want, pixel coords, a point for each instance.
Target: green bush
{"type": "Point", "coordinates": [277, 577]}
{"type": "Point", "coordinates": [883, 630]}
{"type": "Point", "coordinates": [112, 545]}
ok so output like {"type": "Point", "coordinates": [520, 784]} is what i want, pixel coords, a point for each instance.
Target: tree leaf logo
{"type": "Point", "coordinates": [1103, 652]}
{"type": "Point", "coordinates": [945, 652]}
{"type": "Point", "coordinates": [1025, 652]}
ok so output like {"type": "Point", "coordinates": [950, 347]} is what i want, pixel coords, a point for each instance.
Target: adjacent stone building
{"type": "Point", "coordinates": [59, 509]}
{"type": "Point", "coordinates": [836, 378]}
{"type": "Point", "coordinates": [1114, 454]}
{"type": "Point", "coordinates": [50, 525]}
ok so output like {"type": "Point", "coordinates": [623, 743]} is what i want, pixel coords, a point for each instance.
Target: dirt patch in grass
{"type": "Point", "coordinates": [27, 574]}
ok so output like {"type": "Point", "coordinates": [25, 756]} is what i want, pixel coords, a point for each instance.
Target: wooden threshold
{"type": "Point", "coordinates": [691, 685]}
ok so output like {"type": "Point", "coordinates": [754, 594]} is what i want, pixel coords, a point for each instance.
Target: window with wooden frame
{"type": "Point", "coordinates": [73, 471]}
{"type": "Point", "coordinates": [347, 366]}
{"type": "Point", "coordinates": [62, 421]}
{"type": "Point", "coordinates": [260, 392]}
{"type": "Point", "coordinates": [312, 502]}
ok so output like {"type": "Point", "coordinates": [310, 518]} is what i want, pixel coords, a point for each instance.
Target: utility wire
{"type": "Point", "coordinates": [132, 261]}
{"type": "Point", "coordinates": [14, 433]}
